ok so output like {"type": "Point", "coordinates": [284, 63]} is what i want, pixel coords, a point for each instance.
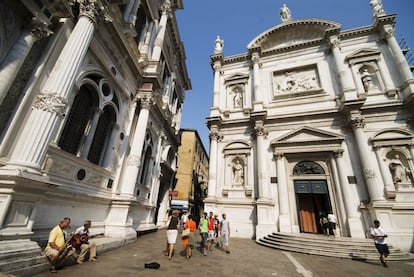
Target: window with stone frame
{"type": "Point", "coordinates": [90, 123]}
{"type": "Point", "coordinates": [147, 161]}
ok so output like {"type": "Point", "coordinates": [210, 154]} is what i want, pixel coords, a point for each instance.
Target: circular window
{"type": "Point", "coordinates": [106, 89]}
{"type": "Point", "coordinates": [121, 136]}
{"type": "Point", "coordinates": [81, 174]}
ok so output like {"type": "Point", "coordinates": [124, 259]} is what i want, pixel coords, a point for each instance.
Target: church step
{"type": "Point", "coordinates": [362, 249]}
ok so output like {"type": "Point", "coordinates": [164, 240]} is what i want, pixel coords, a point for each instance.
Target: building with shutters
{"type": "Point", "coordinates": [314, 118]}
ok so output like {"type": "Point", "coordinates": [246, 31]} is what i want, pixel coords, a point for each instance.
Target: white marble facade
{"type": "Point", "coordinates": [322, 122]}
{"type": "Point", "coordinates": [91, 94]}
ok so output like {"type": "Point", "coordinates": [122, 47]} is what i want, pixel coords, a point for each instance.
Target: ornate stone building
{"type": "Point", "coordinates": [192, 174]}
{"type": "Point", "coordinates": [314, 118]}
{"type": "Point", "coordinates": [91, 94]}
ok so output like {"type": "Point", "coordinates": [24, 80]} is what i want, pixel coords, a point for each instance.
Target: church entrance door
{"type": "Point", "coordinates": [312, 198]}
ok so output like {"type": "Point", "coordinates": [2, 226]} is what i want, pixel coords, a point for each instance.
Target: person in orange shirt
{"type": "Point", "coordinates": [189, 241]}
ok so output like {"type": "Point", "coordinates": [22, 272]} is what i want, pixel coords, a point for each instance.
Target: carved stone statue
{"type": "Point", "coordinates": [238, 173]}
{"type": "Point", "coordinates": [285, 13]}
{"type": "Point", "coordinates": [377, 8]}
{"type": "Point", "coordinates": [400, 174]}
{"type": "Point", "coordinates": [366, 79]}
{"type": "Point", "coordinates": [219, 43]}
{"type": "Point", "coordinates": [238, 99]}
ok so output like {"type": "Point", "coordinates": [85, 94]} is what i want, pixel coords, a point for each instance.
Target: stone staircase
{"type": "Point", "coordinates": [339, 247]}
{"type": "Point", "coordinates": [24, 258]}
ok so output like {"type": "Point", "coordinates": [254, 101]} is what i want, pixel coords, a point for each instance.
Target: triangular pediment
{"type": "Point", "coordinates": [365, 52]}
{"type": "Point", "coordinates": [308, 135]}
{"type": "Point", "coordinates": [237, 78]}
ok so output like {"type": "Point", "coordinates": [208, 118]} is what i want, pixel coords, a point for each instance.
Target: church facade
{"type": "Point", "coordinates": [91, 96]}
{"type": "Point", "coordinates": [313, 119]}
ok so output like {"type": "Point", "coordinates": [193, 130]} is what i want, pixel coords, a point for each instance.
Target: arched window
{"type": "Point", "coordinates": [307, 167]}
{"type": "Point", "coordinates": [147, 160]}
{"type": "Point", "coordinates": [88, 128]}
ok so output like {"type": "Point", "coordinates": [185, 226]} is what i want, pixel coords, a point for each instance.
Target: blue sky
{"type": "Point", "coordinates": [238, 22]}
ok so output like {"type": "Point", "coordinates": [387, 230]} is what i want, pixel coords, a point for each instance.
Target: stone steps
{"type": "Point", "coordinates": [339, 247]}
{"type": "Point", "coordinates": [27, 260]}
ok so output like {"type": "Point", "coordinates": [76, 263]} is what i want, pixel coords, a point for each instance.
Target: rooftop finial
{"type": "Point", "coordinates": [285, 13]}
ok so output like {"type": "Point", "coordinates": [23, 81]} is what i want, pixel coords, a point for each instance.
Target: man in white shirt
{"type": "Point", "coordinates": [81, 241]}
{"type": "Point", "coordinates": [379, 235]}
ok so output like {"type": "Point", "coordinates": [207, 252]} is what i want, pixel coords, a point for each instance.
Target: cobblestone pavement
{"type": "Point", "coordinates": [246, 259]}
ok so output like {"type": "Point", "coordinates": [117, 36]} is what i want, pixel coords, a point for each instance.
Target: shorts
{"type": "Point", "coordinates": [211, 235]}
{"type": "Point", "coordinates": [382, 249]}
{"type": "Point", "coordinates": [51, 252]}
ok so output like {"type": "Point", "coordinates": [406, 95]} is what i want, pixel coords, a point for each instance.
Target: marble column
{"type": "Point", "coordinates": [215, 136]}
{"type": "Point", "coordinates": [385, 174]}
{"type": "Point", "coordinates": [131, 170]}
{"type": "Point", "coordinates": [18, 54]}
{"type": "Point", "coordinates": [354, 224]}
{"type": "Point", "coordinates": [345, 78]}
{"type": "Point", "coordinates": [216, 88]}
{"type": "Point", "coordinates": [369, 173]}
{"type": "Point", "coordinates": [257, 100]}
{"type": "Point", "coordinates": [285, 225]}
{"type": "Point", "coordinates": [130, 12]}
{"type": "Point", "coordinates": [159, 40]}
{"type": "Point", "coordinates": [263, 182]}
{"type": "Point", "coordinates": [50, 105]}
{"type": "Point", "coordinates": [88, 141]}
{"type": "Point", "coordinates": [402, 65]}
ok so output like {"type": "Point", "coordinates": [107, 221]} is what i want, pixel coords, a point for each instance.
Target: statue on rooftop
{"type": "Point", "coordinates": [219, 43]}
{"type": "Point", "coordinates": [377, 8]}
{"type": "Point", "coordinates": [285, 13]}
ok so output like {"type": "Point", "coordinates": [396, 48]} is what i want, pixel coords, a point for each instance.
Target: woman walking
{"type": "Point", "coordinates": [189, 241]}
{"type": "Point", "coordinates": [172, 231]}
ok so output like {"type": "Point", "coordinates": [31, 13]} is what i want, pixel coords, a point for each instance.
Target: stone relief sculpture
{"type": "Point", "coordinates": [366, 79]}
{"type": "Point", "coordinates": [400, 173]}
{"type": "Point", "coordinates": [219, 43]}
{"type": "Point", "coordinates": [238, 173]}
{"type": "Point", "coordinates": [295, 81]}
{"type": "Point", "coordinates": [285, 13]}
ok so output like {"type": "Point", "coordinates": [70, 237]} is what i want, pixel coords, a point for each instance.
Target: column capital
{"type": "Point", "coordinates": [334, 42]}
{"type": "Point", "coordinates": [217, 66]}
{"type": "Point", "coordinates": [50, 103]}
{"type": "Point", "coordinates": [215, 135]}
{"type": "Point", "coordinates": [260, 131]}
{"type": "Point", "coordinates": [387, 31]}
{"type": "Point", "coordinates": [39, 29]}
{"type": "Point", "coordinates": [338, 153]}
{"type": "Point", "coordinates": [357, 121]}
{"type": "Point", "coordinates": [146, 101]}
{"type": "Point", "coordinates": [93, 9]}
{"type": "Point", "coordinates": [278, 155]}
{"type": "Point", "coordinates": [369, 173]}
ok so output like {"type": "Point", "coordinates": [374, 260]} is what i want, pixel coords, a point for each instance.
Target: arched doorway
{"type": "Point", "coordinates": [312, 196]}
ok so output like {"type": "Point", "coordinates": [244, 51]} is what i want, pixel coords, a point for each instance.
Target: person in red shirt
{"type": "Point", "coordinates": [211, 231]}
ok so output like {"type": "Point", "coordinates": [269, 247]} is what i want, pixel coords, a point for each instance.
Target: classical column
{"type": "Point", "coordinates": [343, 74]}
{"type": "Point", "coordinates": [88, 141]}
{"type": "Point", "coordinates": [283, 196]}
{"type": "Point", "coordinates": [18, 54]}
{"type": "Point", "coordinates": [216, 88]}
{"type": "Point", "coordinates": [130, 12]}
{"type": "Point", "coordinates": [402, 65]}
{"type": "Point", "coordinates": [385, 173]}
{"type": "Point", "coordinates": [159, 40]}
{"type": "Point", "coordinates": [50, 105]}
{"type": "Point", "coordinates": [215, 136]}
{"type": "Point", "coordinates": [263, 182]}
{"type": "Point", "coordinates": [365, 158]}
{"type": "Point", "coordinates": [354, 224]}
{"type": "Point", "coordinates": [131, 171]}
{"type": "Point", "coordinates": [257, 100]}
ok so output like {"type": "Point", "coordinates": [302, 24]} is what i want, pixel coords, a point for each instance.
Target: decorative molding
{"type": "Point", "coordinates": [133, 160]}
{"type": "Point", "coordinates": [39, 29]}
{"type": "Point", "coordinates": [50, 103]}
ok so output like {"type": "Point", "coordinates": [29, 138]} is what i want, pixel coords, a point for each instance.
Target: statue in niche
{"type": "Point", "coordinates": [219, 43]}
{"type": "Point", "coordinates": [238, 99]}
{"type": "Point", "coordinates": [366, 79]}
{"type": "Point", "coordinates": [285, 13]}
{"type": "Point", "coordinates": [238, 173]}
{"type": "Point", "coordinates": [400, 173]}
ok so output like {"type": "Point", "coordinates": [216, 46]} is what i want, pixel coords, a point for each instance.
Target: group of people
{"type": "Point", "coordinates": [328, 223]}
{"type": "Point", "coordinates": [61, 246]}
{"type": "Point", "coordinates": [213, 232]}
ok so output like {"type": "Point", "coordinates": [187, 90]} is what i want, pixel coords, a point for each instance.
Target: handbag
{"type": "Point", "coordinates": [185, 233]}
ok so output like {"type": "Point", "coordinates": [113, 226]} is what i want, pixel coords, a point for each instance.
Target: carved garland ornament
{"type": "Point", "coordinates": [50, 103]}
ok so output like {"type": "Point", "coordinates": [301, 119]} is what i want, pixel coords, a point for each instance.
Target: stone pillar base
{"type": "Point", "coordinates": [284, 224]}
{"type": "Point", "coordinates": [263, 230]}
{"type": "Point", "coordinates": [356, 229]}
{"type": "Point", "coordinates": [125, 232]}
